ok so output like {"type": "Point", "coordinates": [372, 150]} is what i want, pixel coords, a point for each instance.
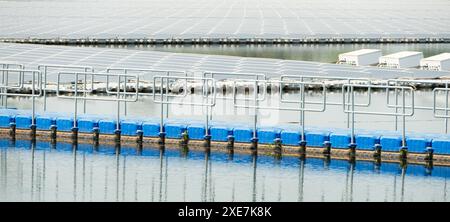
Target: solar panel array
{"type": "Point", "coordinates": [164, 19]}
{"type": "Point", "coordinates": [102, 58]}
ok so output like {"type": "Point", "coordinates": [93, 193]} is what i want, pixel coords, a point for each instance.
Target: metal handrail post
{"type": "Point", "coordinates": [302, 104]}
{"type": "Point", "coordinates": [255, 96]}
{"type": "Point", "coordinates": [124, 95]}
{"type": "Point", "coordinates": [118, 105]}
{"type": "Point", "coordinates": [45, 87]}
{"type": "Point", "coordinates": [167, 98]}
{"type": "Point", "coordinates": [348, 114]}
{"type": "Point", "coordinates": [352, 139]}
{"type": "Point", "coordinates": [85, 91]}
{"type": "Point", "coordinates": [396, 108]}
{"type": "Point", "coordinates": [446, 108]}
{"type": "Point", "coordinates": [75, 102]}
{"type": "Point", "coordinates": [33, 105]}
{"type": "Point", "coordinates": [161, 127]}
{"type": "Point", "coordinates": [404, 119]}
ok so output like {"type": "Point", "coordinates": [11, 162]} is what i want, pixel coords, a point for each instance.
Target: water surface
{"type": "Point", "coordinates": [327, 53]}
{"type": "Point", "coordinates": [42, 172]}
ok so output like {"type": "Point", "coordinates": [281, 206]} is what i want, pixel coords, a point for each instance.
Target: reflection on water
{"type": "Point", "coordinates": [327, 53]}
{"type": "Point", "coordinates": [41, 171]}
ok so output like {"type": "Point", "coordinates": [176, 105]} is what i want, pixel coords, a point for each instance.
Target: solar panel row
{"type": "Point", "coordinates": [102, 58]}
{"type": "Point", "coordinates": [183, 19]}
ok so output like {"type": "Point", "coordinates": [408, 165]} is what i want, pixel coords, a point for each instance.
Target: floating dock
{"type": "Point", "coordinates": [228, 137]}
{"type": "Point", "coordinates": [116, 72]}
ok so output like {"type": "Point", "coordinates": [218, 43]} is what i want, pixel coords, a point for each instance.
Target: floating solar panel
{"type": "Point", "coordinates": [102, 58]}
{"type": "Point", "coordinates": [224, 20]}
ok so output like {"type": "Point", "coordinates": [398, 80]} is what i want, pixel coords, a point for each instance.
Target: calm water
{"type": "Point", "coordinates": [327, 53]}
{"type": "Point", "coordinates": [40, 172]}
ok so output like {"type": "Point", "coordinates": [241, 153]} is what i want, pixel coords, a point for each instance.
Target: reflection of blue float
{"type": "Point", "coordinates": [360, 167]}
{"type": "Point", "coordinates": [220, 131]}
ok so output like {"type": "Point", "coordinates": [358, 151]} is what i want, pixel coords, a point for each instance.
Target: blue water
{"type": "Point", "coordinates": [42, 172]}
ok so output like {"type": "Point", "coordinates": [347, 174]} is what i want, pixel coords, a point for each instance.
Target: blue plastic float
{"type": "Point", "coordinates": [220, 131]}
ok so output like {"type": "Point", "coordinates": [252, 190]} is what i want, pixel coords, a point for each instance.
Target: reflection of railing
{"type": "Point", "coordinates": [349, 89]}
{"type": "Point", "coordinates": [73, 87]}
{"type": "Point", "coordinates": [162, 83]}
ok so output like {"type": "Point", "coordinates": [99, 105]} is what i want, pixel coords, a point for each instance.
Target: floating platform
{"type": "Point", "coordinates": [280, 140]}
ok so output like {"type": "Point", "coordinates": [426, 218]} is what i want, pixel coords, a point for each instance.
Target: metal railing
{"type": "Point", "coordinates": [47, 69]}
{"type": "Point", "coordinates": [230, 76]}
{"type": "Point", "coordinates": [329, 78]}
{"type": "Point", "coordinates": [118, 96]}
{"type": "Point", "coordinates": [143, 75]}
{"type": "Point", "coordinates": [433, 107]}
{"type": "Point", "coordinates": [446, 108]}
{"type": "Point", "coordinates": [35, 81]}
{"type": "Point", "coordinates": [5, 78]}
{"type": "Point", "coordinates": [123, 85]}
{"type": "Point", "coordinates": [302, 101]}
{"type": "Point", "coordinates": [349, 89]}
{"type": "Point", "coordinates": [163, 97]}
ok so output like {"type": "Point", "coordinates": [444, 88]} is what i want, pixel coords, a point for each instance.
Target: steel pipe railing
{"type": "Point", "coordinates": [302, 101]}
{"type": "Point", "coordinates": [349, 89]}
{"type": "Point", "coordinates": [232, 75]}
{"type": "Point", "coordinates": [46, 70]}
{"type": "Point", "coordinates": [147, 73]}
{"type": "Point", "coordinates": [5, 78]}
{"type": "Point", "coordinates": [430, 108]}
{"type": "Point", "coordinates": [208, 87]}
{"type": "Point", "coordinates": [75, 91]}
{"type": "Point", "coordinates": [35, 82]}
{"type": "Point", "coordinates": [332, 78]}
{"type": "Point", "coordinates": [435, 108]}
